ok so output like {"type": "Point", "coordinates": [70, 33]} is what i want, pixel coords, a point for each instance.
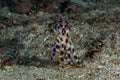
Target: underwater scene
{"type": "Point", "coordinates": [59, 39]}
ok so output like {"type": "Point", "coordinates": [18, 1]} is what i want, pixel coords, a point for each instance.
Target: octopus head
{"type": "Point", "coordinates": [62, 25]}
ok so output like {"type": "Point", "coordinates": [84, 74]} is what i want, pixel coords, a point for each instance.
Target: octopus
{"type": "Point", "coordinates": [63, 49]}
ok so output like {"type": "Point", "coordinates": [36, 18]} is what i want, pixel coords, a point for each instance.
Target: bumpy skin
{"type": "Point", "coordinates": [63, 50]}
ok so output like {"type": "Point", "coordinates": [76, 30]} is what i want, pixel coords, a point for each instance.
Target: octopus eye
{"type": "Point", "coordinates": [56, 28]}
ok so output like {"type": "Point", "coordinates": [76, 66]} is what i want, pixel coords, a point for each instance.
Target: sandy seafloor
{"type": "Point", "coordinates": [26, 44]}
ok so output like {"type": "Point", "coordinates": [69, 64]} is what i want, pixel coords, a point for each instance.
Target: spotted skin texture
{"type": "Point", "coordinates": [63, 50]}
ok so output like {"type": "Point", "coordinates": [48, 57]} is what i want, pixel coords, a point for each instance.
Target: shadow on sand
{"type": "Point", "coordinates": [10, 55]}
